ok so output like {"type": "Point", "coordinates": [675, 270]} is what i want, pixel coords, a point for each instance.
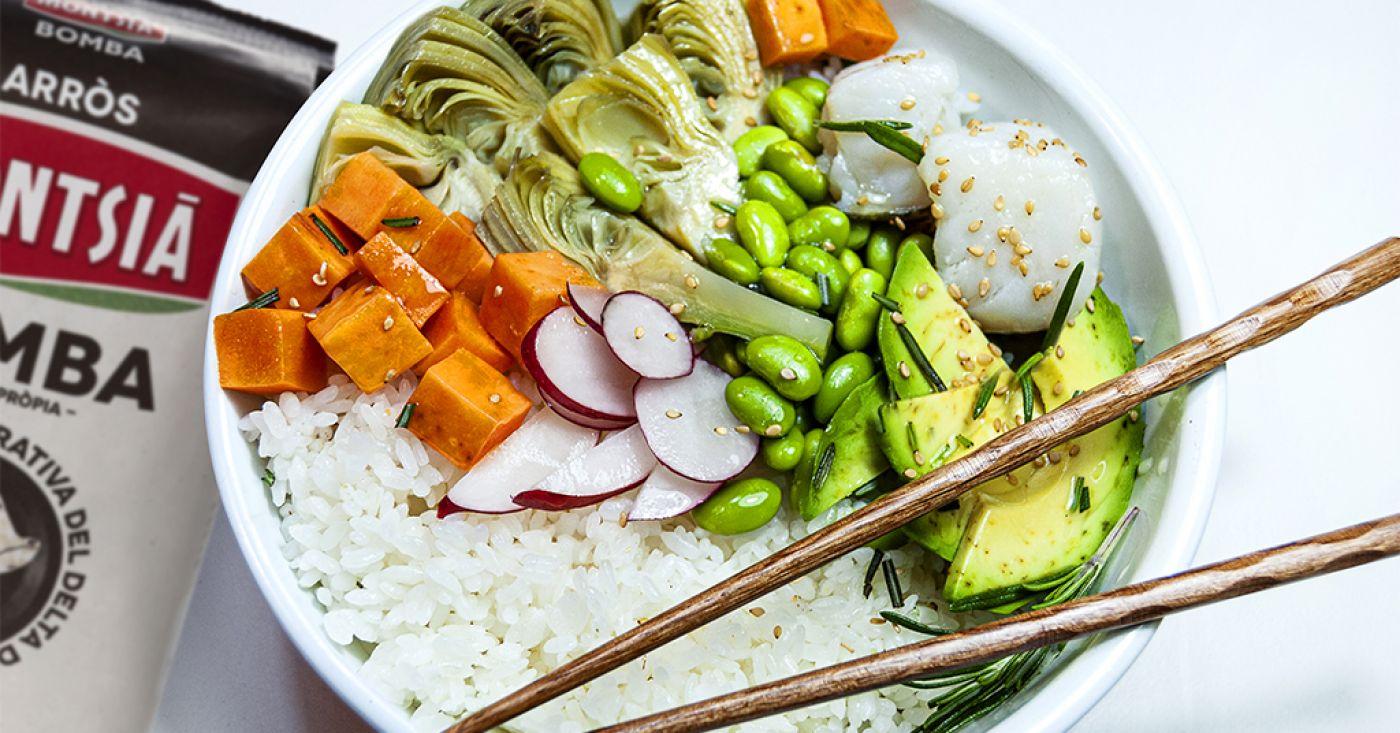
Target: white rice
{"type": "Point", "coordinates": [455, 613]}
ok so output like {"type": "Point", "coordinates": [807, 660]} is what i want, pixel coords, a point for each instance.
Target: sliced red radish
{"type": "Point", "coordinates": [586, 421]}
{"type": "Point", "coordinates": [646, 337]}
{"type": "Point", "coordinates": [666, 494]}
{"type": "Point", "coordinates": [572, 364]}
{"type": "Point", "coordinates": [588, 303]}
{"type": "Point", "coordinates": [615, 465]}
{"type": "Point", "coordinates": [538, 448]}
{"type": "Point", "coordinates": [690, 428]}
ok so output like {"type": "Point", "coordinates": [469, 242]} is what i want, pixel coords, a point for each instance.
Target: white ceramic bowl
{"type": "Point", "coordinates": [1153, 269]}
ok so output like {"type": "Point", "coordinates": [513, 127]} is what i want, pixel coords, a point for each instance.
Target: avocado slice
{"type": "Point", "coordinates": [1024, 527]}
{"type": "Point", "coordinates": [940, 326]}
{"type": "Point", "coordinates": [853, 437]}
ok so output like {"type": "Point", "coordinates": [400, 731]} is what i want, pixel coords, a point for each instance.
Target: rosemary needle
{"type": "Point", "coordinates": [261, 301]}
{"type": "Point", "coordinates": [339, 245]}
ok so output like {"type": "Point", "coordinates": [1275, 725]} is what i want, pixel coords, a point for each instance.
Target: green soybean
{"type": "Point", "coordinates": [859, 314]}
{"type": "Point", "coordinates": [923, 241]}
{"type": "Point", "coordinates": [812, 88]}
{"type": "Point", "coordinates": [844, 375]}
{"type": "Point", "coordinates": [732, 261]}
{"type": "Point", "coordinates": [798, 168]}
{"type": "Point", "coordinates": [769, 186]}
{"type": "Point", "coordinates": [741, 506]}
{"type": "Point", "coordinates": [749, 147]}
{"type": "Point", "coordinates": [813, 262]}
{"type": "Point", "coordinates": [791, 287]}
{"type": "Point", "coordinates": [822, 225]}
{"type": "Point", "coordinates": [804, 421]}
{"type": "Point", "coordinates": [860, 234]}
{"type": "Point", "coordinates": [721, 351]}
{"type": "Point", "coordinates": [610, 183]}
{"type": "Point", "coordinates": [796, 115]}
{"type": "Point", "coordinates": [783, 452]}
{"type": "Point", "coordinates": [763, 232]}
{"type": "Point", "coordinates": [850, 261]}
{"type": "Point", "coordinates": [759, 406]}
{"type": "Point", "coordinates": [881, 248]}
{"type": "Point", "coordinates": [786, 364]}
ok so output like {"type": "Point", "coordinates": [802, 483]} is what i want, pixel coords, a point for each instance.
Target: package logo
{"type": "Point", "coordinates": [99, 18]}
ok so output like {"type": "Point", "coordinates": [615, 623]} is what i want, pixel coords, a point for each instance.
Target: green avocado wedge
{"type": "Point", "coordinates": [853, 441]}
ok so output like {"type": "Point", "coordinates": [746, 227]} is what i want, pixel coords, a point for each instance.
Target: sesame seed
{"type": "Point", "coordinates": [954, 291]}
{"type": "Point", "coordinates": [1098, 279]}
{"type": "Point", "coordinates": [638, 332]}
{"type": "Point", "coordinates": [898, 222]}
{"type": "Point", "coordinates": [1135, 416]}
{"type": "Point", "coordinates": [965, 325]}
{"type": "Point", "coordinates": [906, 105]}
{"type": "Point", "coordinates": [984, 286]}
{"type": "Point", "coordinates": [910, 473]}
{"type": "Point", "coordinates": [1069, 323]}
{"type": "Point", "coordinates": [1000, 203]}
{"type": "Point", "coordinates": [1039, 462]}
{"type": "Point", "coordinates": [975, 225]}
{"type": "Point", "coordinates": [788, 374]}
{"type": "Point", "coordinates": [918, 458]}
{"type": "Point", "coordinates": [677, 308]}
{"type": "Point", "coordinates": [293, 302]}
{"type": "Point", "coordinates": [673, 414]}
{"type": "Point", "coordinates": [1138, 340]}
{"type": "Point", "coordinates": [1089, 305]}
{"type": "Point", "coordinates": [1011, 479]}
{"type": "Point", "coordinates": [904, 370]}
{"type": "Point", "coordinates": [318, 279]}
{"type": "Point", "coordinates": [1059, 352]}
{"type": "Point", "coordinates": [1023, 250]}
{"type": "Point", "coordinates": [938, 129]}
{"type": "Point", "coordinates": [984, 359]}
{"type": "Point", "coordinates": [806, 38]}
{"type": "Point", "coordinates": [963, 302]}
{"type": "Point", "coordinates": [1000, 391]}
{"type": "Point", "coordinates": [976, 251]}
{"type": "Point", "coordinates": [368, 289]}
{"type": "Point", "coordinates": [967, 184]}
{"type": "Point", "coordinates": [751, 55]}
{"type": "Point", "coordinates": [721, 222]}
{"type": "Point", "coordinates": [749, 93]}
{"type": "Point", "coordinates": [974, 97]}
{"type": "Point", "coordinates": [829, 246]}
{"type": "Point", "coordinates": [1098, 213]}
{"type": "Point", "coordinates": [417, 246]}
{"type": "Point", "coordinates": [1003, 233]}
{"type": "Point", "coordinates": [388, 323]}
{"type": "Point", "coordinates": [921, 291]}
{"type": "Point", "coordinates": [721, 430]}
{"type": "Point", "coordinates": [998, 425]}
{"type": "Point", "coordinates": [992, 258]}
{"type": "Point", "coordinates": [496, 293]}
{"type": "Point", "coordinates": [1085, 236]}
{"type": "Point", "coordinates": [308, 316]}
{"type": "Point", "coordinates": [711, 103]}
{"type": "Point", "coordinates": [862, 200]}
{"type": "Point", "coordinates": [692, 282]}
{"type": "Point", "coordinates": [1073, 451]}
{"type": "Point", "coordinates": [941, 160]}
{"type": "Point", "coordinates": [1030, 208]}
{"type": "Point", "coordinates": [1013, 235]}
{"type": "Point", "coordinates": [1024, 268]}
{"type": "Point", "coordinates": [897, 318]}
{"type": "Point", "coordinates": [750, 121]}
{"type": "Point", "coordinates": [1062, 263]}
{"type": "Point", "coordinates": [963, 355]}
{"type": "Point", "coordinates": [936, 189]}
{"type": "Point", "coordinates": [1059, 389]}
{"type": "Point", "coordinates": [936, 210]}
{"type": "Point", "coordinates": [1081, 161]}
{"type": "Point", "coordinates": [757, 612]}
{"type": "Point", "coordinates": [778, 630]}
{"type": "Point", "coordinates": [757, 78]}
{"type": "Point", "coordinates": [622, 521]}
{"type": "Point", "coordinates": [495, 398]}
{"type": "Point", "coordinates": [671, 336]}
{"type": "Point", "coordinates": [389, 375]}
{"type": "Point", "coordinates": [996, 350]}
{"type": "Point", "coordinates": [773, 430]}
{"type": "Point", "coordinates": [580, 322]}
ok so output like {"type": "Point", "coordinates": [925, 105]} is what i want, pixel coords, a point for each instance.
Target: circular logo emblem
{"type": "Point", "coordinates": [31, 550]}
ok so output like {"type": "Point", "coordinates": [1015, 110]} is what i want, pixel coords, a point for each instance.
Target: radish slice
{"type": "Point", "coordinates": [573, 365]}
{"type": "Point", "coordinates": [615, 465]}
{"type": "Point", "coordinates": [538, 448]}
{"type": "Point", "coordinates": [588, 303]}
{"type": "Point", "coordinates": [690, 428]}
{"type": "Point", "coordinates": [646, 337]}
{"type": "Point", "coordinates": [586, 421]}
{"type": "Point", "coordinates": [666, 495]}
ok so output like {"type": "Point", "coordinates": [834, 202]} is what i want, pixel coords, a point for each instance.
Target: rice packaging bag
{"type": "Point", "coordinates": [129, 130]}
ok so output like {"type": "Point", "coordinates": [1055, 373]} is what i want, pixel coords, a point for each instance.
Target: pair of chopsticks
{"type": "Point", "coordinates": [1184, 363]}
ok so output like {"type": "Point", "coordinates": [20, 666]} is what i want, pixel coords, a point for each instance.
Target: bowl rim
{"type": "Point", "coordinates": [1059, 702]}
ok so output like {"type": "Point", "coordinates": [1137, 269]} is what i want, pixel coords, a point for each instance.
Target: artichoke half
{"type": "Point", "coordinates": [543, 205]}
{"type": "Point", "coordinates": [640, 109]}
{"type": "Point", "coordinates": [558, 39]}
{"type": "Point", "coordinates": [453, 75]}
{"type": "Point", "coordinates": [715, 45]}
{"type": "Point", "coordinates": [450, 176]}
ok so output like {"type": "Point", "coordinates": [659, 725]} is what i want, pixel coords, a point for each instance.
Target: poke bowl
{"type": "Point", "coordinates": [415, 613]}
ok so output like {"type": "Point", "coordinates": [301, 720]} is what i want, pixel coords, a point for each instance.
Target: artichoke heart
{"type": "Point", "coordinates": [558, 39]}
{"type": "Point", "coordinates": [543, 205]}
{"type": "Point", "coordinates": [453, 75]}
{"type": "Point", "coordinates": [641, 109]}
{"type": "Point", "coordinates": [715, 45]}
{"type": "Point", "coordinates": [450, 176]}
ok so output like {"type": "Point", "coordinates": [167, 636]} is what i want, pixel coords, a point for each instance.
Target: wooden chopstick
{"type": "Point", "coordinates": [1127, 606]}
{"type": "Point", "coordinates": [1184, 363]}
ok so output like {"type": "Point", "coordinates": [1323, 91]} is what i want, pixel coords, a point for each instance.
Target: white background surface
{"type": "Point", "coordinates": [1279, 125]}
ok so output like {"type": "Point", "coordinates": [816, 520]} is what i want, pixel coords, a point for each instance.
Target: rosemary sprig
{"type": "Point", "coordinates": [335, 241]}
{"type": "Point", "coordinates": [725, 207]}
{"type": "Point", "coordinates": [268, 477]}
{"type": "Point", "coordinates": [859, 125]}
{"type": "Point", "coordinates": [892, 583]}
{"type": "Point", "coordinates": [824, 288]}
{"type": "Point", "coordinates": [964, 441]}
{"type": "Point", "coordinates": [1027, 399]}
{"type": "Point", "coordinates": [894, 140]}
{"type": "Point", "coordinates": [889, 303]}
{"type": "Point", "coordinates": [875, 560]}
{"type": "Point", "coordinates": [984, 395]}
{"type": "Point", "coordinates": [261, 301]}
{"type": "Point", "coordinates": [1079, 495]}
{"type": "Point", "coordinates": [899, 619]}
{"type": "Point", "coordinates": [401, 222]}
{"type": "Point", "coordinates": [1057, 322]}
{"type": "Point", "coordinates": [823, 469]}
{"type": "Point", "coordinates": [911, 344]}
{"type": "Point", "coordinates": [405, 415]}
{"type": "Point", "coordinates": [1029, 364]}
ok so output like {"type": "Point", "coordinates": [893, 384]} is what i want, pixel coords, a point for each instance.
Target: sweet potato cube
{"type": "Point", "coordinates": [457, 326]}
{"type": "Point", "coordinates": [451, 250]}
{"type": "Point", "coordinates": [465, 408]}
{"type": "Point", "coordinates": [858, 30]}
{"type": "Point", "coordinates": [300, 262]}
{"type": "Point", "coordinates": [367, 333]}
{"type": "Point", "coordinates": [362, 193]}
{"type": "Point", "coordinates": [478, 269]}
{"type": "Point", "coordinates": [267, 351]}
{"type": "Point", "coordinates": [787, 31]}
{"type": "Point", "coordinates": [523, 288]}
{"type": "Point", "coordinates": [384, 262]}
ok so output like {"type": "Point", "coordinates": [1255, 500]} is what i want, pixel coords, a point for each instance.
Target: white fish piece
{"type": "Point", "coordinates": [917, 87]}
{"type": "Point", "coordinates": [1015, 212]}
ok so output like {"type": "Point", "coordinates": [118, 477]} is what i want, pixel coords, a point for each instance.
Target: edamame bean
{"type": "Point", "coordinates": [796, 115]}
{"type": "Point", "coordinates": [749, 147]}
{"type": "Point", "coordinates": [731, 261]}
{"type": "Point", "coordinates": [821, 226]}
{"type": "Point", "coordinates": [844, 375]}
{"type": "Point", "coordinates": [763, 232]}
{"type": "Point", "coordinates": [769, 186]}
{"type": "Point", "coordinates": [859, 315]}
{"type": "Point", "coordinates": [720, 350]}
{"type": "Point", "coordinates": [610, 183]}
{"type": "Point", "coordinates": [741, 506]}
{"type": "Point", "coordinates": [798, 168]}
{"type": "Point", "coordinates": [923, 241]}
{"type": "Point", "coordinates": [881, 248]}
{"type": "Point", "coordinates": [860, 233]}
{"type": "Point", "coordinates": [758, 406]}
{"type": "Point", "coordinates": [783, 452]}
{"type": "Point", "coordinates": [817, 264]}
{"type": "Point", "coordinates": [812, 88]}
{"type": "Point", "coordinates": [850, 261]}
{"type": "Point", "coordinates": [791, 287]}
{"type": "Point", "coordinates": [786, 364]}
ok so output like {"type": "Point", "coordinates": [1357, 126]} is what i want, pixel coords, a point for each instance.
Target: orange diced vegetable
{"type": "Point", "coordinates": [465, 408]}
{"type": "Point", "coordinates": [409, 205]}
{"type": "Point", "coordinates": [300, 262]}
{"type": "Point", "coordinates": [362, 193]}
{"type": "Point", "coordinates": [457, 326]}
{"type": "Point", "coordinates": [478, 270]}
{"type": "Point", "coordinates": [523, 288]}
{"type": "Point", "coordinates": [787, 31]}
{"type": "Point", "coordinates": [858, 30]}
{"type": "Point", "coordinates": [451, 251]}
{"type": "Point", "coordinates": [267, 351]}
{"type": "Point", "coordinates": [367, 333]}
{"type": "Point", "coordinates": [417, 290]}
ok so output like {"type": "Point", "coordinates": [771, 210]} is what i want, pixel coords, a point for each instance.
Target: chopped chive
{"type": "Point", "coordinates": [401, 222]}
{"type": "Point", "coordinates": [1081, 494]}
{"type": "Point", "coordinates": [823, 468]}
{"type": "Point", "coordinates": [1031, 361]}
{"type": "Point", "coordinates": [913, 439]}
{"type": "Point", "coordinates": [916, 354]}
{"type": "Point", "coordinates": [868, 490]}
{"type": "Point", "coordinates": [339, 245]}
{"type": "Point", "coordinates": [261, 301]}
{"type": "Point", "coordinates": [875, 560]}
{"type": "Point", "coordinates": [405, 415]}
{"type": "Point", "coordinates": [892, 583]}
{"type": "Point", "coordinates": [268, 477]}
{"type": "Point", "coordinates": [824, 288]}
{"type": "Point", "coordinates": [859, 125]}
{"type": "Point", "coordinates": [899, 619]}
{"type": "Point", "coordinates": [1057, 323]}
{"type": "Point", "coordinates": [984, 395]}
{"type": "Point", "coordinates": [964, 441]}
{"type": "Point", "coordinates": [1027, 399]}
{"type": "Point", "coordinates": [890, 304]}
{"type": "Point", "coordinates": [725, 207]}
